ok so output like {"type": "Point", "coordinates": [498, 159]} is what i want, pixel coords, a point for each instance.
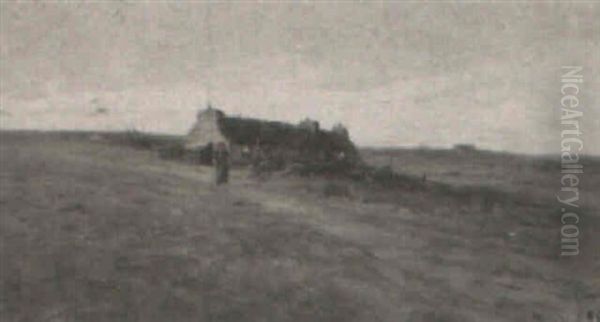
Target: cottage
{"type": "Point", "coordinates": [282, 142]}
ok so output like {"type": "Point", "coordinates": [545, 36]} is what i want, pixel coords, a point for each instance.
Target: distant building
{"type": "Point", "coordinates": [283, 142]}
{"type": "Point", "coordinates": [465, 147]}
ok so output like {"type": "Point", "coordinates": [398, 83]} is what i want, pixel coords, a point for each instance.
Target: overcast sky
{"type": "Point", "coordinates": [431, 74]}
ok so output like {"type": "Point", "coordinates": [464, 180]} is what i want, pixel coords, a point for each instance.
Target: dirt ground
{"type": "Point", "coordinates": [96, 232]}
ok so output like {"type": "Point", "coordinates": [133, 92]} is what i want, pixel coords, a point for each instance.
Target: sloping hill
{"type": "Point", "coordinates": [92, 231]}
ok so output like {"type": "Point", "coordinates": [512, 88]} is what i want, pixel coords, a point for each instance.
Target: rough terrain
{"type": "Point", "coordinates": [96, 232]}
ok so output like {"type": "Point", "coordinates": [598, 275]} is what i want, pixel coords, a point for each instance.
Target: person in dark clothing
{"type": "Point", "coordinates": [221, 163]}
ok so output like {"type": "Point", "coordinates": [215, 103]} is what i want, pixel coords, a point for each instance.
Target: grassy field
{"type": "Point", "coordinates": [97, 231]}
{"type": "Point", "coordinates": [536, 178]}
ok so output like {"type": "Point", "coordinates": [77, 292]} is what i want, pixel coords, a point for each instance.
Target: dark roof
{"type": "Point", "coordinates": [247, 131]}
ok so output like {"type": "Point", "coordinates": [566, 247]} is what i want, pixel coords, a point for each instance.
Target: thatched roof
{"type": "Point", "coordinates": [249, 131]}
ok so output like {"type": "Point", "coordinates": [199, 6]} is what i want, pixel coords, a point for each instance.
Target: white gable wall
{"type": "Point", "coordinates": [205, 131]}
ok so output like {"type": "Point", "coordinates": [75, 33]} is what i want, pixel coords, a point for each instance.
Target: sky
{"type": "Point", "coordinates": [396, 74]}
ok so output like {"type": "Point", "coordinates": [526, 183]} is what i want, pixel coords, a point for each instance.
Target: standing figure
{"type": "Point", "coordinates": [258, 158]}
{"type": "Point", "coordinates": [221, 163]}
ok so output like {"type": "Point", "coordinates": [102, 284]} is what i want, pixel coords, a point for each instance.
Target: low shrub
{"type": "Point", "coordinates": [141, 140]}
{"type": "Point", "coordinates": [172, 152]}
{"type": "Point", "coordinates": [386, 177]}
{"type": "Point", "coordinates": [138, 139]}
